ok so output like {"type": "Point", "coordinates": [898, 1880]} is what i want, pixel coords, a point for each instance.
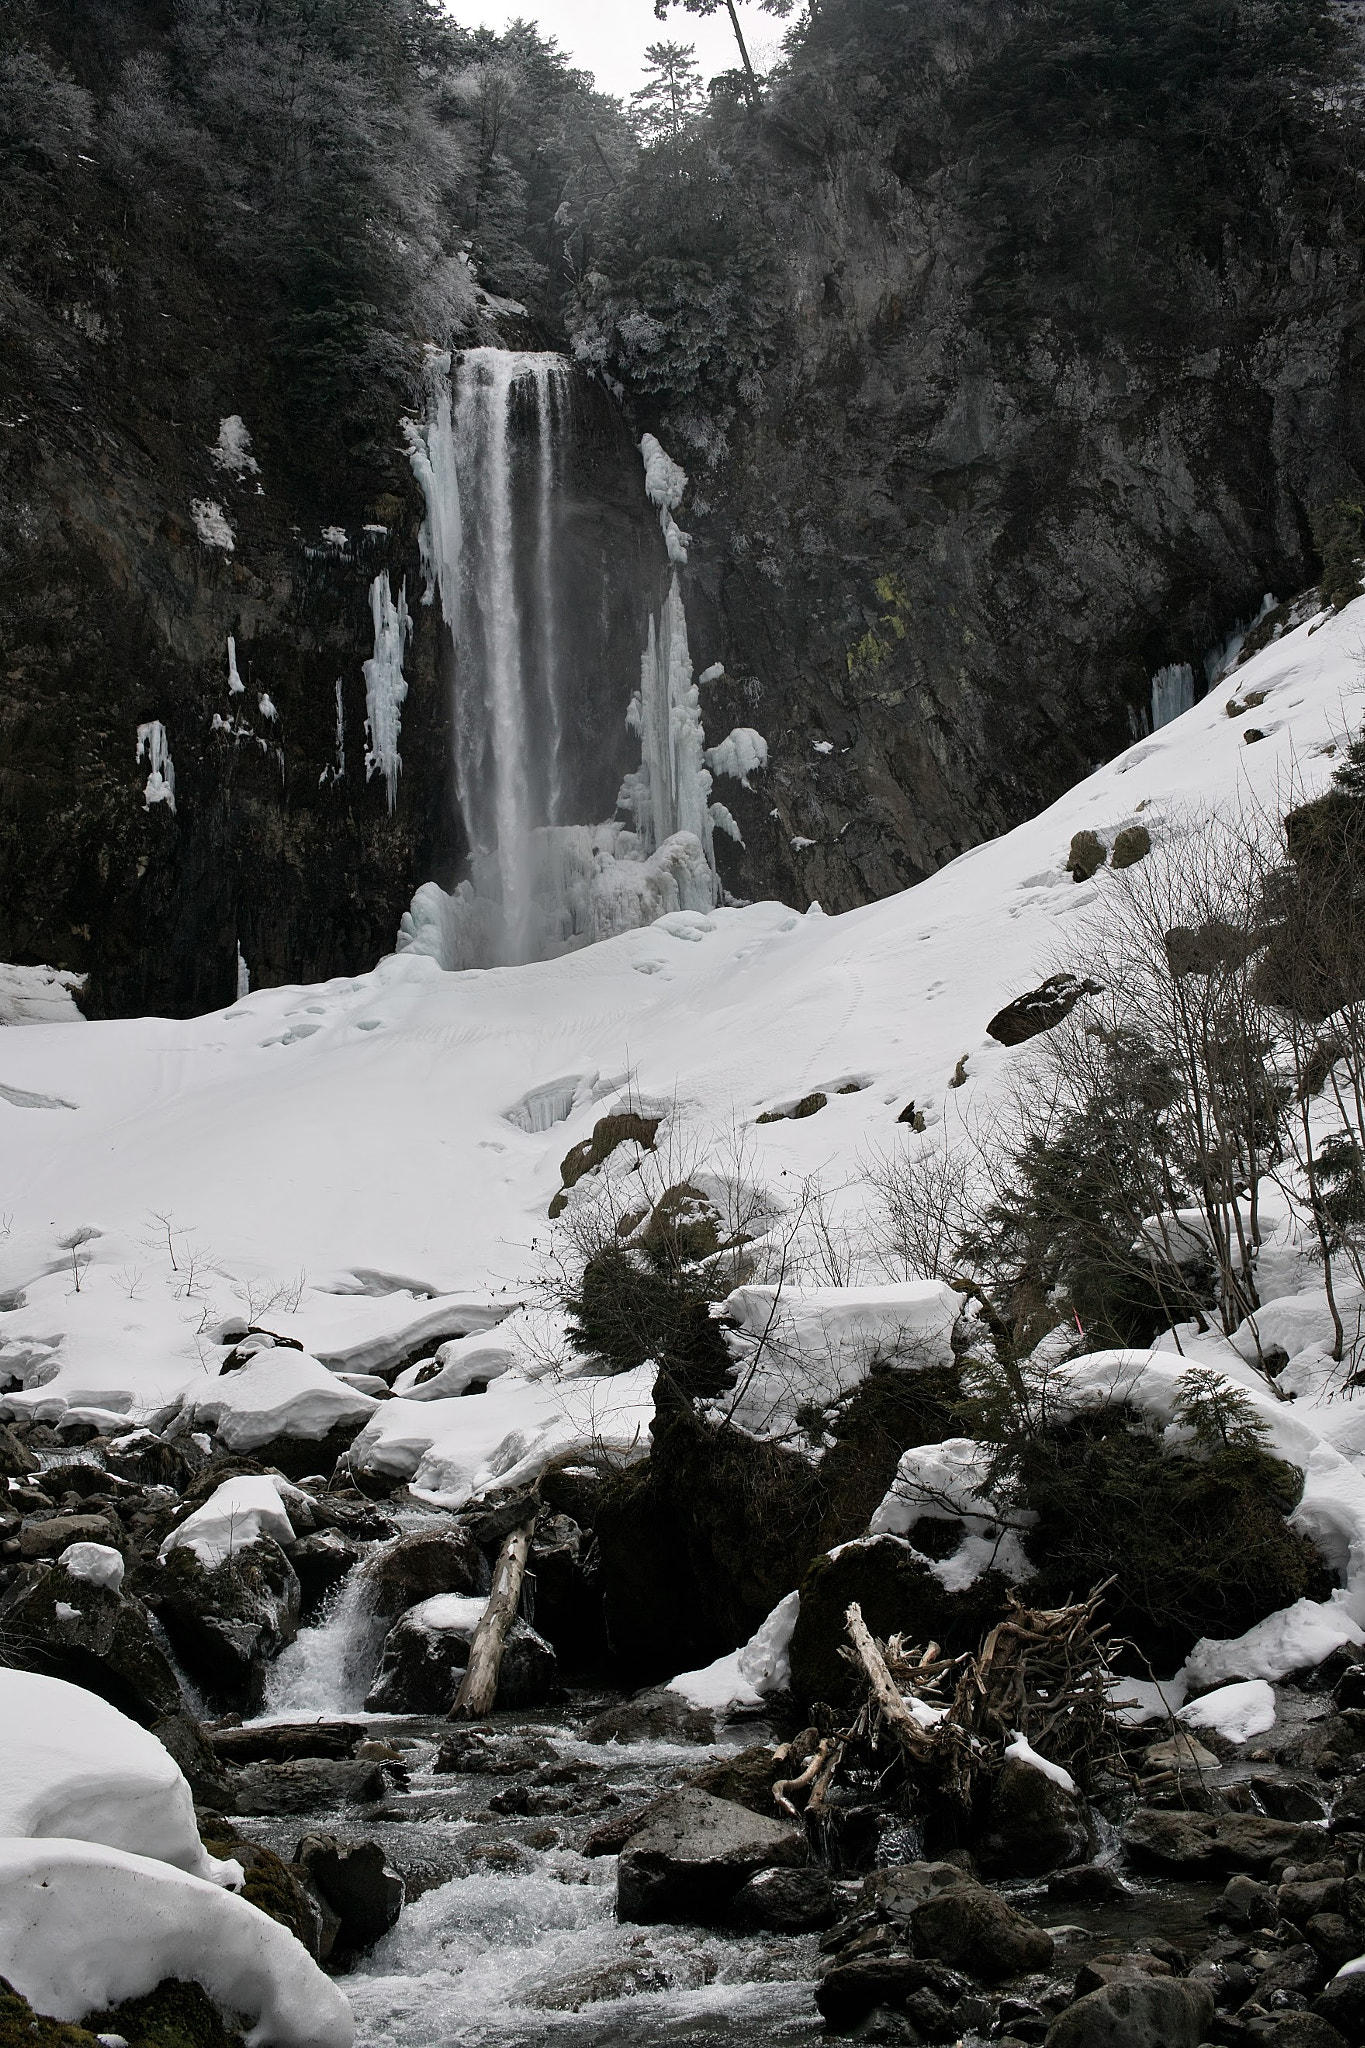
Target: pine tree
{"type": "Point", "coordinates": [671, 94]}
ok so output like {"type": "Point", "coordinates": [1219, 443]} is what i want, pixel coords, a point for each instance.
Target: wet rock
{"type": "Point", "coordinates": [1136, 2012]}
{"type": "Point", "coordinates": [442, 1560]}
{"type": "Point", "coordinates": [94, 1637]}
{"type": "Point", "coordinates": [273, 1887]}
{"type": "Point", "coordinates": [1349, 1690]}
{"type": "Point", "coordinates": [48, 1536]}
{"type": "Point", "coordinates": [476, 1750]}
{"type": "Point", "coordinates": [980, 1932]}
{"type": "Point", "coordinates": [1348, 1809]}
{"type": "Point", "coordinates": [655, 1715]}
{"type": "Point", "coordinates": [320, 1562]}
{"type": "Point", "coordinates": [693, 1853]}
{"type": "Point", "coordinates": [565, 1602]}
{"type": "Point", "coordinates": [1299, 2030]}
{"type": "Point", "coordinates": [356, 1882]}
{"type": "Point", "coordinates": [426, 1654]}
{"type": "Point", "coordinates": [1327, 1746]}
{"type": "Point", "coordinates": [208, 1779]}
{"type": "Point", "coordinates": [787, 1901]}
{"type": "Point", "coordinates": [310, 1785]}
{"type": "Point", "coordinates": [1285, 1798]}
{"type": "Point", "coordinates": [849, 1991]}
{"type": "Point", "coordinates": [1086, 1884]}
{"type": "Point", "coordinates": [1040, 1009]}
{"type": "Point", "coordinates": [1033, 1824]}
{"type": "Point", "coordinates": [227, 1622]}
{"type": "Point", "coordinates": [1174, 1839]}
{"type": "Point", "coordinates": [1298, 1901]}
{"type": "Point", "coordinates": [286, 1741]}
{"type": "Point", "coordinates": [1342, 2004]}
{"type": "Point", "coordinates": [1245, 1903]}
{"type": "Point", "coordinates": [748, 1778]}
{"type": "Point", "coordinates": [16, 1460]}
{"type": "Point", "coordinates": [1102, 1970]}
{"type": "Point", "coordinates": [146, 1459]}
{"type": "Point", "coordinates": [1179, 1752]}
{"type": "Point", "coordinates": [1335, 1941]}
{"type": "Point", "coordinates": [1297, 1969]}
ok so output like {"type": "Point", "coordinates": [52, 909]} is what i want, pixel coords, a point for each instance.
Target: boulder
{"type": "Point", "coordinates": [16, 1460]}
{"type": "Point", "coordinates": [227, 1621]}
{"type": "Point", "coordinates": [93, 1636]}
{"type": "Point", "coordinates": [1300, 2030]}
{"type": "Point", "coordinates": [308, 1786]}
{"type": "Point", "coordinates": [275, 1888]}
{"type": "Point", "coordinates": [1172, 1839]}
{"type": "Point", "coordinates": [426, 1654]}
{"type": "Point", "coordinates": [1342, 2004]}
{"type": "Point", "coordinates": [184, 1738]}
{"type": "Point", "coordinates": [1085, 856]}
{"type": "Point", "coordinates": [1086, 1884]}
{"type": "Point", "coordinates": [747, 1778]}
{"type": "Point", "coordinates": [1245, 1904]}
{"type": "Point", "coordinates": [1136, 2012]}
{"type": "Point", "coordinates": [49, 1536]}
{"type": "Point", "coordinates": [978, 1931]}
{"type": "Point", "coordinates": [1033, 1824]}
{"type": "Point", "coordinates": [415, 1568]}
{"type": "Point", "coordinates": [1348, 1809]}
{"type": "Point", "coordinates": [786, 1901]}
{"type": "Point", "coordinates": [320, 1562]}
{"type": "Point", "coordinates": [146, 1459]}
{"type": "Point", "coordinates": [896, 1590]}
{"type": "Point", "coordinates": [692, 1854]}
{"type": "Point", "coordinates": [1252, 1841]}
{"type": "Point", "coordinates": [1040, 1009]}
{"type": "Point", "coordinates": [850, 1990]}
{"type": "Point", "coordinates": [356, 1882]}
{"type": "Point", "coordinates": [655, 1715]}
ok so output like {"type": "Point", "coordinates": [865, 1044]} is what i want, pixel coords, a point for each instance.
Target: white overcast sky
{"type": "Point", "coordinates": [608, 37]}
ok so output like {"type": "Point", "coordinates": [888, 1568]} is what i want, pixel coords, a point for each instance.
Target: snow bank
{"type": "Point", "coordinates": [1295, 1638]}
{"type": "Point", "coordinates": [83, 1927]}
{"type": "Point", "coordinates": [1237, 1711]}
{"type": "Point", "coordinates": [239, 1513]}
{"type": "Point", "coordinates": [96, 1564]}
{"type": "Point", "coordinates": [745, 1677]}
{"type": "Point", "coordinates": [74, 1766]}
{"type": "Point", "coordinates": [39, 995]}
{"type": "Point", "coordinates": [280, 1392]}
{"type": "Point", "coordinates": [803, 1347]}
{"type": "Point", "coordinates": [450, 1450]}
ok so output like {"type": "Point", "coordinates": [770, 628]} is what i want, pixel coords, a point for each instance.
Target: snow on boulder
{"type": "Point", "coordinates": [83, 1927]}
{"type": "Point", "coordinates": [76, 1767]}
{"type": "Point", "coordinates": [804, 1347]}
{"type": "Point", "coordinates": [1236, 1711]}
{"type": "Point", "coordinates": [278, 1393]}
{"type": "Point", "coordinates": [456, 1367]}
{"type": "Point", "coordinates": [241, 1511]}
{"type": "Point", "coordinates": [943, 1482]}
{"type": "Point", "coordinates": [745, 1677]}
{"type": "Point", "coordinates": [98, 1564]}
{"type": "Point", "coordinates": [450, 1450]}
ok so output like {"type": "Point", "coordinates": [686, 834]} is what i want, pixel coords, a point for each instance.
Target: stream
{"type": "Point", "coordinates": [509, 1934]}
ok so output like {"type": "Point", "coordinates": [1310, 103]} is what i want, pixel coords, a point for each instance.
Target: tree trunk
{"type": "Point", "coordinates": [479, 1686]}
{"type": "Point", "coordinates": [911, 1736]}
{"type": "Point", "coordinates": [752, 82]}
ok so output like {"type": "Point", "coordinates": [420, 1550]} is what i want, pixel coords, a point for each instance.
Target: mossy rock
{"type": "Point", "coordinates": [1131, 845]}
{"type": "Point", "coordinates": [684, 1225]}
{"type": "Point", "coordinates": [888, 1412]}
{"type": "Point", "coordinates": [809, 1105]}
{"type": "Point", "coordinates": [1085, 856]}
{"type": "Point", "coordinates": [272, 1886]}
{"type": "Point", "coordinates": [621, 1128]}
{"type": "Point", "coordinates": [175, 2015]}
{"type": "Point", "coordinates": [1195, 1546]}
{"type": "Point", "coordinates": [897, 1592]}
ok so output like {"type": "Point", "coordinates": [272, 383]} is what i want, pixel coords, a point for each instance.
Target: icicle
{"type": "Point", "coordinates": [152, 742]}
{"type": "Point", "coordinates": [243, 975]}
{"type": "Point", "coordinates": [236, 687]}
{"type": "Point", "coordinates": [385, 686]}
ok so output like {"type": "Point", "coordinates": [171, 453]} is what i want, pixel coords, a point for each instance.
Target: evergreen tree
{"type": "Point", "coordinates": [671, 94]}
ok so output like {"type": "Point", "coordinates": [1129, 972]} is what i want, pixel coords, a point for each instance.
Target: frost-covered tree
{"type": "Point", "coordinates": [671, 94]}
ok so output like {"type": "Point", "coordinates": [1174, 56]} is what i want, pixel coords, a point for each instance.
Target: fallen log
{"type": "Point", "coordinates": [479, 1686]}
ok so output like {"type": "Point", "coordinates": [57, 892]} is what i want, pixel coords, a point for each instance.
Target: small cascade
{"type": "Point", "coordinates": [490, 458]}
{"type": "Point", "coordinates": [330, 1666]}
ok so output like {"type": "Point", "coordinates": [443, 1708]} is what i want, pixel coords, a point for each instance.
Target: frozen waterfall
{"type": "Point", "coordinates": [489, 456]}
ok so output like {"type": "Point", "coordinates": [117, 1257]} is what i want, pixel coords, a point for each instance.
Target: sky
{"type": "Point", "coordinates": [608, 37]}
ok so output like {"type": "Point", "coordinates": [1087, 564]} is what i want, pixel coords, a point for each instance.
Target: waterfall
{"type": "Point", "coordinates": [528, 737]}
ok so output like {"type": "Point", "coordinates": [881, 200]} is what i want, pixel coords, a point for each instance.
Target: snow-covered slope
{"type": "Point", "coordinates": [366, 1164]}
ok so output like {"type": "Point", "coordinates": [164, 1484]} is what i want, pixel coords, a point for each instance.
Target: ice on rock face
{"type": "Point", "coordinates": [232, 450]}
{"type": "Point", "coordinates": [211, 525]}
{"type": "Point", "coordinates": [1172, 693]}
{"type": "Point", "coordinates": [385, 684]}
{"type": "Point", "coordinates": [154, 747]}
{"type": "Point", "coordinates": [740, 754]}
{"type": "Point", "coordinates": [236, 687]}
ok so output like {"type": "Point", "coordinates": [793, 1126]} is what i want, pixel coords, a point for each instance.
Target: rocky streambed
{"type": "Point", "coordinates": [590, 1865]}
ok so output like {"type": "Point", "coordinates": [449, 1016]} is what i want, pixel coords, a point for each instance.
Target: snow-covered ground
{"type": "Point", "coordinates": [365, 1164]}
